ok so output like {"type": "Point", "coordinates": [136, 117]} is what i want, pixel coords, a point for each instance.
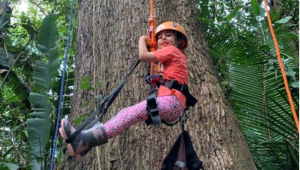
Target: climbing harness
{"type": "Point", "coordinates": [152, 104]}
{"type": "Point", "coordinates": [156, 80]}
{"type": "Point", "coordinates": [282, 68]}
{"type": "Point", "coordinates": [173, 84]}
{"type": "Point", "coordinates": [62, 88]}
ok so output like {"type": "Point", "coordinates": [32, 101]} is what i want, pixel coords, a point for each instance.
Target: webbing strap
{"type": "Point", "coordinates": [102, 108]}
{"type": "Point", "coordinates": [152, 110]}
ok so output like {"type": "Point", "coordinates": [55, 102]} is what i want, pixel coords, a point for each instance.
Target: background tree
{"type": "Point", "coordinates": [107, 47]}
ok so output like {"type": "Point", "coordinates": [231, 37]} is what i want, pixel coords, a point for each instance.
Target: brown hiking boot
{"type": "Point", "coordinates": [85, 140]}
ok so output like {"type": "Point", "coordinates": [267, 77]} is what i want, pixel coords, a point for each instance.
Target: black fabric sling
{"type": "Point", "coordinates": [182, 155]}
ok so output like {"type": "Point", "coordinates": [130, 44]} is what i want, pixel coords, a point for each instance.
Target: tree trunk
{"type": "Point", "coordinates": [107, 47]}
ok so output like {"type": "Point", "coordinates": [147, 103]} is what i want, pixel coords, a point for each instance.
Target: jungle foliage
{"type": "Point", "coordinates": [32, 49]}
{"type": "Point", "coordinates": [244, 53]}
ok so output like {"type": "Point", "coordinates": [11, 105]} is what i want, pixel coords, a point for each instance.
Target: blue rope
{"type": "Point", "coordinates": [62, 88]}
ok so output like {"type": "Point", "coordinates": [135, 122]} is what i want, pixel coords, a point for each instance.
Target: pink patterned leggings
{"type": "Point", "coordinates": [169, 108]}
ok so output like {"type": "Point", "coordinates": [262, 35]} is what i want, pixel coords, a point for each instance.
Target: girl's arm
{"type": "Point", "coordinates": [144, 54]}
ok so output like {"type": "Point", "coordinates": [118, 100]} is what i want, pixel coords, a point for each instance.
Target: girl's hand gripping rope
{"type": "Point", "coordinates": [152, 41]}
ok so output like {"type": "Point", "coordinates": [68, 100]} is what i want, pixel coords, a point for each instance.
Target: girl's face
{"type": "Point", "coordinates": [165, 38]}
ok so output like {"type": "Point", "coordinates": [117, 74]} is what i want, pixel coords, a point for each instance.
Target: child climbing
{"type": "Point", "coordinates": [171, 102]}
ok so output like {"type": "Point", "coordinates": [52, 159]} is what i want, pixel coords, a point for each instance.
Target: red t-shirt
{"type": "Point", "coordinates": [174, 67]}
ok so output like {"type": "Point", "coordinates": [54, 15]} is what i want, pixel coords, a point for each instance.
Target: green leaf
{"type": "Point", "coordinates": [81, 118]}
{"type": "Point", "coordinates": [251, 134]}
{"type": "Point", "coordinates": [3, 24]}
{"type": "Point", "coordinates": [38, 130]}
{"type": "Point", "coordinates": [10, 166]}
{"type": "Point", "coordinates": [35, 164]}
{"type": "Point", "coordinates": [5, 59]}
{"type": "Point", "coordinates": [44, 72]}
{"type": "Point", "coordinates": [7, 152]}
{"type": "Point", "coordinates": [291, 73]}
{"type": "Point", "coordinates": [295, 84]}
{"type": "Point", "coordinates": [265, 47]}
{"type": "Point", "coordinates": [41, 75]}
{"type": "Point", "coordinates": [48, 34]}
{"type": "Point", "coordinates": [284, 20]}
{"type": "Point", "coordinates": [38, 100]}
{"type": "Point", "coordinates": [271, 61]}
{"type": "Point", "coordinates": [12, 80]}
{"type": "Point", "coordinates": [292, 152]}
{"type": "Point", "coordinates": [262, 11]}
{"type": "Point", "coordinates": [86, 83]}
{"type": "Point", "coordinates": [233, 13]}
{"type": "Point", "coordinates": [4, 18]}
{"type": "Point", "coordinates": [38, 126]}
{"type": "Point", "coordinates": [255, 7]}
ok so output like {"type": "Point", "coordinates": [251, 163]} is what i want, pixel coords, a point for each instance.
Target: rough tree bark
{"type": "Point", "coordinates": [107, 47]}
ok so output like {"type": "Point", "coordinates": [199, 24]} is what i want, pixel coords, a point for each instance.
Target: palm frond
{"type": "Point", "coordinates": [264, 115]}
{"type": "Point", "coordinates": [38, 126]}
{"type": "Point", "coordinates": [44, 72]}
{"type": "Point", "coordinates": [255, 82]}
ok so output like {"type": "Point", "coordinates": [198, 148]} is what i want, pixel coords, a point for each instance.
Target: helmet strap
{"type": "Point", "coordinates": [178, 40]}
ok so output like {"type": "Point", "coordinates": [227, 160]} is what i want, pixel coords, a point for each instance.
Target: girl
{"type": "Point", "coordinates": [171, 41]}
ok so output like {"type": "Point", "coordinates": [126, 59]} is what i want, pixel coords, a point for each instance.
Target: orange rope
{"type": "Point", "coordinates": [281, 67]}
{"type": "Point", "coordinates": [152, 26]}
{"type": "Point", "coordinates": [152, 44]}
